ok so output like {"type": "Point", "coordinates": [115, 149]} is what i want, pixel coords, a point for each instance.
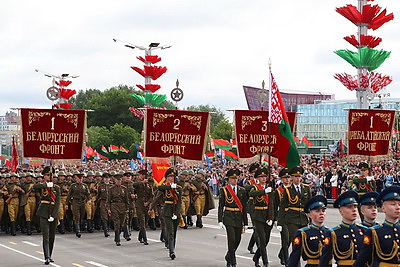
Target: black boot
{"type": "Point", "coordinates": [162, 235]}
{"type": "Point", "coordinates": [157, 221]}
{"type": "Point", "coordinates": [13, 231]}
{"type": "Point", "coordinates": [28, 228]}
{"type": "Point", "coordinates": [189, 220]}
{"type": "Point", "coordinates": [232, 258]}
{"type": "Point", "coordinates": [228, 260]}
{"type": "Point", "coordinates": [199, 222]}
{"type": "Point", "coordinates": [171, 246]}
{"type": "Point", "coordinates": [46, 252]}
{"type": "Point", "coordinates": [144, 237]}
{"type": "Point", "coordinates": [90, 226]}
{"type": "Point", "coordinates": [251, 244]}
{"type": "Point", "coordinates": [140, 236]}
{"type": "Point", "coordinates": [135, 224]}
{"type": "Point", "coordinates": [127, 235]}
{"type": "Point", "coordinates": [106, 234]}
{"type": "Point", "coordinates": [117, 238]}
{"type": "Point", "coordinates": [152, 224]}
{"type": "Point", "coordinates": [77, 230]}
{"type": "Point", "coordinates": [264, 256]}
{"type": "Point", "coordinates": [285, 255]}
{"type": "Point", "coordinates": [256, 258]}
{"type": "Point", "coordinates": [61, 227]}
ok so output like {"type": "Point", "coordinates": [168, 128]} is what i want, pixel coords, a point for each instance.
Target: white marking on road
{"type": "Point", "coordinates": [96, 264]}
{"type": "Point", "coordinates": [244, 257]}
{"type": "Point", "coordinates": [211, 226]}
{"type": "Point", "coordinates": [154, 240]}
{"type": "Point", "coordinates": [25, 254]}
{"type": "Point", "coordinates": [12, 243]}
{"type": "Point", "coordinates": [30, 243]}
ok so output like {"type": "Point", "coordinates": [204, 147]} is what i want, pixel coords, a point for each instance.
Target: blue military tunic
{"type": "Point", "coordinates": [308, 243]}
{"type": "Point", "coordinates": [381, 245]}
{"type": "Point", "coordinates": [344, 243]}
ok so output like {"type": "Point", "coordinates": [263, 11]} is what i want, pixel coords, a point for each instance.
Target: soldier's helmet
{"type": "Point", "coordinates": [98, 174]}
{"type": "Point", "coordinates": [90, 173]}
{"type": "Point", "coordinates": [61, 173]}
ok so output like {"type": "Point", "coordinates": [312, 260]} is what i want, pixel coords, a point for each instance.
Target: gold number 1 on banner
{"type": "Point", "coordinates": [52, 123]}
{"type": "Point", "coordinates": [372, 121]}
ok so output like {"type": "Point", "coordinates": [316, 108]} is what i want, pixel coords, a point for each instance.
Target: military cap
{"type": "Point", "coordinates": [368, 198]}
{"type": "Point", "coordinates": [113, 173]}
{"type": "Point", "coordinates": [48, 170]}
{"type": "Point", "coordinates": [68, 174]}
{"type": "Point", "coordinates": [121, 172]}
{"type": "Point", "coordinates": [201, 172]}
{"type": "Point", "coordinates": [261, 172]}
{"type": "Point", "coordinates": [316, 202]}
{"type": "Point", "coordinates": [284, 173]}
{"type": "Point", "coordinates": [134, 173]}
{"type": "Point", "coordinates": [76, 172]}
{"type": "Point", "coordinates": [296, 171]}
{"type": "Point", "coordinates": [349, 197]}
{"type": "Point", "coordinates": [127, 173]}
{"type": "Point", "coordinates": [13, 174]}
{"type": "Point", "coordinates": [90, 173]}
{"type": "Point", "coordinates": [22, 175]}
{"type": "Point", "coordinates": [97, 174]}
{"type": "Point", "coordinates": [55, 175]}
{"type": "Point", "coordinates": [106, 175]}
{"type": "Point", "coordinates": [61, 173]}
{"type": "Point", "coordinates": [184, 172]}
{"type": "Point", "coordinates": [7, 175]}
{"type": "Point", "coordinates": [363, 166]}
{"type": "Point", "coordinates": [191, 172]}
{"type": "Point", "coordinates": [118, 176]}
{"type": "Point", "coordinates": [389, 193]}
{"type": "Point", "coordinates": [253, 167]}
{"type": "Point", "coordinates": [233, 173]}
{"type": "Point", "coordinates": [170, 172]}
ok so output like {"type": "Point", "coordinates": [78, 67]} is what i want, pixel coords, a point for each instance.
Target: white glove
{"type": "Point", "coordinates": [221, 225]}
{"type": "Point", "coordinates": [370, 178]}
{"type": "Point", "coordinates": [174, 217]}
{"type": "Point", "coordinates": [279, 228]}
{"type": "Point", "coordinates": [49, 184]}
{"type": "Point", "coordinates": [270, 222]}
{"type": "Point", "coordinates": [173, 186]}
{"type": "Point", "coordinates": [268, 190]}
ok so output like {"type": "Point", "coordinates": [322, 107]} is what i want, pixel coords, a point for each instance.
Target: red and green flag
{"type": "Point", "coordinates": [210, 155]}
{"type": "Point", "coordinates": [123, 149]}
{"type": "Point", "coordinates": [114, 149]}
{"type": "Point", "coordinates": [305, 142]}
{"type": "Point", "coordinates": [229, 155]}
{"type": "Point", "coordinates": [287, 155]}
{"type": "Point", "coordinates": [104, 149]}
{"type": "Point", "coordinates": [220, 143]}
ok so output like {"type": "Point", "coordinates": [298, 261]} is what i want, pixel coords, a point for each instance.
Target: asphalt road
{"type": "Point", "coordinates": [195, 247]}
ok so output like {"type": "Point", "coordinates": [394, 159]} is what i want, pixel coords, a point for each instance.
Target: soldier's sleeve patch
{"type": "Point", "coordinates": [327, 241]}
{"type": "Point", "coordinates": [296, 241]}
{"type": "Point", "coordinates": [367, 240]}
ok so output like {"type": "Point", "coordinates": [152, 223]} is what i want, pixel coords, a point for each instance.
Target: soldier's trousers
{"type": "Point", "coordinates": [90, 210]}
{"type": "Point", "coordinates": [292, 229]}
{"type": "Point", "coordinates": [13, 207]}
{"type": "Point", "coordinates": [143, 216]}
{"type": "Point", "coordinates": [118, 215]}
{"type": "Point", "coordinates": [103, 210]}
{"type": "Point", "coordinates": [185, 205]}
{"type": "Point", "coordinates": [29, 208]}
{"type": "Point", "coordinates": [48, 231]}
{"type": "Point", "coordinates": [61, 210]}
{"type": "Point", "coordinates": [1, 208]}
{"type": "Point", "coordinates": [171, 227]}
{"type": "Point", "coordinates": [78, 210]}
{"type": "Point", "coordinates": [234, 235]}
{"type": "Point", "coordinates": [264, 233]}
{"type": "Point", "coordinates": [199, 204]}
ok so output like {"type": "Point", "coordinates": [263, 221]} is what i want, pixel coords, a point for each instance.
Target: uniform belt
{"type": "Point", "coordinates": [232, 209]}
{"type": "Point", "coordinates": [386, 264]}
{"type": "Point", "coordinates": [294, 208]}
{"type": "Point", "coordinates": [47, 202]}
{"type": "Point", "coordinates": [313, 261]}
{"type": "Point", "coordinates": [117, 202]}
{"type": "Point", "coordinates": [260, 208]}
{"type": "Point", "coordinates": [250, 197]}
{"type": "Point", "coordinates": [346, 262]}
{"type": "Point", "coordinates": [168, 202]}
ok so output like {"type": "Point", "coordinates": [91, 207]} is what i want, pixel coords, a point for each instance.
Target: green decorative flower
{"type": "Point", "coordinates": [367, 57]}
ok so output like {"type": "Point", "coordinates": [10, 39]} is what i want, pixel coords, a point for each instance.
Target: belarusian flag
{"type": "Point", "coordinates": [210, 155]}
{"type": "Point", "coordinates": [104, 149]}
{"type": "Point", "coordinates": [123, 149]}
{"type": "Point", "coordinates": [306, 142]}
{"type": "Point", "coordinates": [114, 149]}
{"type": "Point", "coordinates": [230, 155]}
{"type": "Point", "coordinates": [220, 143]}
{"type": "Point", "coordinates": [288, 156]}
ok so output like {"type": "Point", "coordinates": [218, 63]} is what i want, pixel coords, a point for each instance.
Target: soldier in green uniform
{"type": "Point", "coordinates": [364, 182]}
{"type": "Point", "coordinates": [50, 199]}
{"type": "Point", "coordinates": [118, 207]}
{"type": "Point", "coordinates": [232, 214]}
{"type": "Point", "coordinates": [250, 205]}
{"type": "Point", "coordinates": [172, 207]}
{"type": "Point", "coordinates": [90, 206]}
{"type": "Point", "coordinates": [64, 187]}
{"type": "Point", "coordinates": [77, 196]}
{"type": "Point", "coordinates": [12, 190]}
{"type": "Point", "coordinates": [101, 201]}
{"type": "Point", "coordinates": [294, 197]}
{"type": "Point", "coordinates": [127, 182]}
{"type": "Point", "coordinates": [263, 213]}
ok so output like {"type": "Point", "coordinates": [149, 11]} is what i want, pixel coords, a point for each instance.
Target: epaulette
{"type": "Point", "coordinates": [336, 228]}
{"type": "Point", "coordinates": [286, 186]}
{"type": "Point", "coordinates": [306, 185]}
{"type": "Point", "coordinates": [240, 187]}
{"type": "Point", "coordinates": [361, 226]}
{"type": "Point", "coordinates": [377, 226]}
{"type": "Point", "coordinates": [304, 228]}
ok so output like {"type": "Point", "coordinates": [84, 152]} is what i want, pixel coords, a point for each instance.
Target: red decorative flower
{"type": "Point", "coordinates": [151, 71]}
{"type": "Point", "coordinates": [66, 93]}
{"type": "Point", "coordinates": [63, 83]}
{"type": "Point", "coordinates": [152, 59]}
{"type": "Point", "coordinates": [373, 80]}
{"type": "Point", "coordinates": [138, 113]}
{"type": "Point", "coordinates": [365, 40]}
{"type": "Point", "coordinates": [149, 87]}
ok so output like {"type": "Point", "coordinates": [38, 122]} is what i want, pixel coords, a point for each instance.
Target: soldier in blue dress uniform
{"type": "Point", "coordinates": [381, 242]}
{"type": "Point", "coordinates": [309, 241]}
{"type": "Point", "coordinates": [344, 241]}
{"type": "Point", "coordinates": [368, 208]}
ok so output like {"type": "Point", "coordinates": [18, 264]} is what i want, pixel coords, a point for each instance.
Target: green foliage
{"type": "Point", "coordinates": [216, 114]}
{"type": "Point", "coordinates": [223, 130]}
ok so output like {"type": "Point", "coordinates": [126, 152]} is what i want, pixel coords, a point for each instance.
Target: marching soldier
{"type": "Point", "coordinates": [171, 209]}
{"type": "Point", "coordinates": [90, 207]}
{"type": "Point", "coordinates": [263, 214]}
{"type": "Point", "coordinates": [187, 189]}
{"type": "Point", "coordinates": [50, 199]}
{"type": "Point", "coordinates": [144, 196]}
{"type": "Point", "coordinates": [127, 182]}
{"type": "Point", "coordinates": [64, 187]}
{"type": "Point", "coordinates": [232, 214]}
{"type": "Point", "coordinates": [344, 241]}
{"type": "Point", "coordinates": [30, 198]}
{"type": "Point", "coordinates": [191, 178]}
{"type": "Point", "coordinates": [381, 242]}
{"type": "Point", "coordinates": [282, 227]}
{"type": "Point", "coordinates": [203, 200]}
{"type": "Point", "coordinates": [101, 201]}
{"type": "Point", "coordinates": [309, 240]}
{"type": "Point", "coordinates": [364, 182]}
{"type": "Point", "coordinates": [368, 208]}
{"type": "Point", "coordinates": [77, 196]}
{"type": "Point", "coordinates": [250, 204]}
{"type": "Point", "coordinates": [118, 207]}
{"type": "Point", "coordinates": [291, 208]}
{"type": "Point", "coordinates": [12, 190]}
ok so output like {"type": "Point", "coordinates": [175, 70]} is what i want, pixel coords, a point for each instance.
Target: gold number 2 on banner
{"type": "Point", "coordinates": [52, 123]}
{"type": "Point", "coordinates": [372, 121]}
{"type": "Point", "coordinates": [176, 122]}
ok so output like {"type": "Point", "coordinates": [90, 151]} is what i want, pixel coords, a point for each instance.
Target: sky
{"type": "Point", "coordinates": [216, 47]}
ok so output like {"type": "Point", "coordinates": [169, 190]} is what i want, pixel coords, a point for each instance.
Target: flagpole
{"type": "Point", "coordinates": [269, 124]}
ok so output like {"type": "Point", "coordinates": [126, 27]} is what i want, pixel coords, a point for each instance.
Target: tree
{"type": "Point", "coordinates": [223, 130]}
{"type": "Point", "coordinates": [216, 114]}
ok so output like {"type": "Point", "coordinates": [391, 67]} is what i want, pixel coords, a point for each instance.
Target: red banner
{"type": "Point", "coordinates": [53, 133]}
{"type": "Point", "coordinates": [159, 168]}
{"type": "Point", "coordinates": [370, 131]}
{"type": "Point", "coordinates": [175, 132]}
{"type": "Point", "coordinates": [251, 127]}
